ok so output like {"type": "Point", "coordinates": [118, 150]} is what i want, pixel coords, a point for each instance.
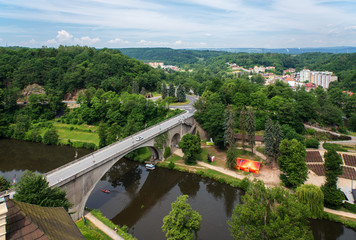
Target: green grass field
{"type": "Point", "coordinates": [90, 231]}
{"type": "Point", "coordinates": [77, 133]}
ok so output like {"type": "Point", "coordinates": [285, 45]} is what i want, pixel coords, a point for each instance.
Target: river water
{"type": "Point", "coordinates": [140, 199]}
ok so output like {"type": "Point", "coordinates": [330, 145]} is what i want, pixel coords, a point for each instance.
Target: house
{"type": "Point", "coordinates": [28, 221]}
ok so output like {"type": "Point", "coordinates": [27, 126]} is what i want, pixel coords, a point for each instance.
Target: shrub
{"type": "Point", "coordinates": [50, 137]}
{"type": "Point", "coordinates": [71, 128]}
{"type": "Point", "coordinates": [171, 165]}
{"type": "Point", "coordinates": [312, 143]}
{"type": "Point", "coordinates": [167, 152]}
{"type": "Point", "coordinates": [311, 131]}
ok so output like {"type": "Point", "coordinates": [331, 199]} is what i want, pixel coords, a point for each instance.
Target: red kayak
{"type": "Point", "coordinates": [105, 191]}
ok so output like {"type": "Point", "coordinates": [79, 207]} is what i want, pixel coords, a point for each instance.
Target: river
{"type": "Point", "coordinates": [140, 198]}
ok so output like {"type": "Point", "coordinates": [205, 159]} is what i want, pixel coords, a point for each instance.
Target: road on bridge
{"type": "Point", "coordinates": [126, 145]}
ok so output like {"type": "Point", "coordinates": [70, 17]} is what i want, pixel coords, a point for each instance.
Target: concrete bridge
{"type": "Point", "coordinates": [78, 178]}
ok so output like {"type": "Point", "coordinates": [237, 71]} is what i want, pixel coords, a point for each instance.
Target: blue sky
{"type": "Point", "coordinates": [178, 23]}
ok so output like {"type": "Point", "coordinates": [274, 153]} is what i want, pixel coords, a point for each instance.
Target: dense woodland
{"type": "Point", "coordinates": [113, 81]}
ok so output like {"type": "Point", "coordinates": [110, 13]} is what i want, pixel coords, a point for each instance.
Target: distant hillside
{"type": "Point", "coordinates": [287, 50]}
{"type": "Point", "coordinates": [170, 56]}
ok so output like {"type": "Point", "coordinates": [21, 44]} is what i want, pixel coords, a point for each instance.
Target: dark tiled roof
{"type": "Point", "coordinates": [313, 156]}
{"type": "Point", "coordinates": [31, 222]}
{"type": "Point", "coordinates": [258, 138]}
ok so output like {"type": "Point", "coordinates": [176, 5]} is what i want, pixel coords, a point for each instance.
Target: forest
{"type": "Point", "coordinates": [115, 87]}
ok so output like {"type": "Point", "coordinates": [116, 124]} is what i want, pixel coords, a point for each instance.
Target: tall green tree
{"type": "Point", "coordinates": [33, 188]}
{"type": "Point", "coordinates": [164, 90]}
{"type": "Point", "coordinates": [292, 163]}
{"type": "Point", "coordinates": [251, 128]}
{"type": "Point", "coordinates": [242, 120]}
{"type": "Point", "coordinates": [229, 126]}
{"type": "Point", "coordinates": [171, 90]}
{"type": "Point", "coordinates": [333, 196]}
{"type": "Point", "coordinates": [191, 147]}
{"type": "Point", "coordinates": [182, 222]}
{"type": "Point", "coordinates": [272, 139]}
{"type": "Point", "coordinates": [4, 184]}
{"type": "Point", "coordinates": [135, 87]}
{"type": "Point", "coordinates": [313, 197]}
{"type": "Point", "coordinates": [181, 93]}
{"type": "Point", "coordinates": [229, 137]}
{"type": "Point", "coordinates": [269, 213]}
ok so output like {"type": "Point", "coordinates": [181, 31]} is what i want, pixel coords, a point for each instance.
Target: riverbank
{"type": "Point", "coordinates": [241, 179]}
{"type": "Point", "coordinates": [96, 226]}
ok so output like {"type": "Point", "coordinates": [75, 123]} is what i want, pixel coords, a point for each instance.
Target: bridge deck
{"type": "Point", "coordinates": [124, 146]}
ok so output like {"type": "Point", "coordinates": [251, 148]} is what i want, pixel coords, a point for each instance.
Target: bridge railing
{"type": "Point", "coordinates": [117, 142]}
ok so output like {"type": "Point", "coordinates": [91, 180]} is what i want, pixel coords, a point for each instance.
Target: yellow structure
{"type": "Point", "coordinates": [3, 212]}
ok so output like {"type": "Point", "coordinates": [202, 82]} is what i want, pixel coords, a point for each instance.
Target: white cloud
{"type": "Point", "coordinates": [64, 36]}
{"type": "Point", "coordinates": [1, 39]}
{"type": "Point", "coordinates": [32, 41]}
{"type": "Point", "coordinates": [86, 41]}
{"type": "Point", "coordinates": [352, 28]}
{"type": "Point", "coordinates": [118, 40]}
{"type": "Point", "coordinates": [179, 42]}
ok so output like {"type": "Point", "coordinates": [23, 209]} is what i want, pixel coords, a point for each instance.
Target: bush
{"type": "Point", "coordinates": [171, 165]}
{"type": "Point", "coordinates": [50, 137]}
{"type": "Point", "coordinates": [311, 131]}
{"type": "Point", "coordinates": [330, 146]}
{"type": "Point", "coordinates": [167, 152]}
{"type": "Point", "coordinates": [312, 143]}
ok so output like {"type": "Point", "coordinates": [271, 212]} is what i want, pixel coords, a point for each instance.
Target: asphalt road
{"type": "Point", "coordinates": [67, 171]}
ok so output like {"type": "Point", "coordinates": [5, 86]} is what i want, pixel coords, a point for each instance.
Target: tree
{"type": "Point", "coordinates": [135, 87]}
{"type": "Point", "coordinates": [313, 197]}
{"type": "Point", "coordinates": [33, 188]}
{"type": "Point", "coordinates": [229, 135]}
{"type": "Point", "coordinates": [333, 196]}
{"type": "Point", "coordinates": [243, 126]}
{"type": "Point", "coordinates": [4, 184]}
{"type": "Point", "coordinates": [50, 137]}
{"type": "Point", "coordinates": [251, 128]}
{"type": "Point", "coordinates": [180, 94]}
{"type": "Point", "coordinates": [23, 123]}
{"type": "Point", "coordinates": [182, 221]}
{"type": "Point", "coordinates": [171, 90]}
{"type": "Point", "coordinates": [272, 138]}
{"type": "Point", "coordinates": [103, 135]}
{"type": "Point", "coordinates": [292, 163]}
{"type": "Point", "coordinates": [269, 213]}
{"type": "Point", "coordinates": [190, 146]}
{"type": "Point", "coordinates": [164, 90]}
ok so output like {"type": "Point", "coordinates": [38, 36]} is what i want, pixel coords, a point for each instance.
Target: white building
{"type": "Point", "coordinates": [317, 78]}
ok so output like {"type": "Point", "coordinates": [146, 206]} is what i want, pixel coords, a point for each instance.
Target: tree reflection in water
{"type": "Point", "coordinates": [126, 174]}
{"type": "Point", "coordinates": [224, 192]}
{"type": "Point", "coordinates": [189, 185]}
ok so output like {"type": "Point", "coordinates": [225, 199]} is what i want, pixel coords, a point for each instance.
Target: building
{"type": "Point", "coordinates": [304, 75]}
{"type": "Point", "coordinates": [257, 69]}
{"type": "Point", "coordinates": [322, 79]}
{"type": "Point", "coordinates": [28, 221]}
{"type": "Point", "coordinates": [155, 64]}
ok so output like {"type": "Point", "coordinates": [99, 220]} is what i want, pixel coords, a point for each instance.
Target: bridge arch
{"type": "Point", "coordinates": [79, 177]}
{"type": "Point", "coordinates": [80, 188]}
{"type": "Point", "coordinates": [175, 140]}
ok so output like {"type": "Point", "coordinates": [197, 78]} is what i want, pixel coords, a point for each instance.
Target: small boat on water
{"type": "Point", "coordinates": [105, 190]}
{"type": "Point", "coordinates": [150, 166]}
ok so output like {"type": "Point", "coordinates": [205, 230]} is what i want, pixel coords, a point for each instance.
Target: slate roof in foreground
{"type": "Point", "coordinates": [31, 222]}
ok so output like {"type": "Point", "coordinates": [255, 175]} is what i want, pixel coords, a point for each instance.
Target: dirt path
{"type": "Point", "coordinates": [108, 231]}
{"type": "Point", "coordinates": [340, 213]}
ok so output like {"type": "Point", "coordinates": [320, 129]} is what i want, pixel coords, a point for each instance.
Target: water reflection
{"type": "Point", "coordinates": [326, 230]}
{"type": "Point", "coordinates": [143, 210]}
{"type": "Point", "coordinates": [222, 192]}
{"type": "Point", "coordinates": [189, 185]}
{"type": "Point", "coordinates": [126, 174]}
{"type": "Point", "coordinates": [18, 156]}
